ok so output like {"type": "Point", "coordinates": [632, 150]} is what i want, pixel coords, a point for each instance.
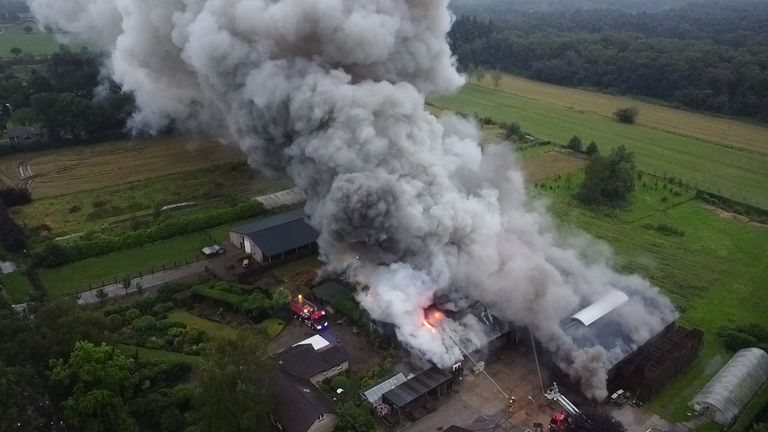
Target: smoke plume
{"type": "Point", "coordinates": [409, 205]}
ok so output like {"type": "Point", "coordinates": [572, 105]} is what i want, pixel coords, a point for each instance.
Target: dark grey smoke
{"type": "Point", "coordinates": [332, 92]}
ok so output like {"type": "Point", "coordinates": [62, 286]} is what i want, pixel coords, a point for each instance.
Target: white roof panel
{"type": "Point", "coordinates": [600, 308]}
{"type": "Point", "coordinates": [374, 394]}
{"type": "Point", "coordinates": [317, 342]}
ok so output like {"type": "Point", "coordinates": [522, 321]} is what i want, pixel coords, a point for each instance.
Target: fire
{"type": "Point", "coordinates": [437, 316]}
{"type": "Point", "coordinates": [428, 325]}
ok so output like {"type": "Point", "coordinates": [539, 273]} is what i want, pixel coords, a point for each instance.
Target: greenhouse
{"type": "Point", "coordinates": [734, 386]}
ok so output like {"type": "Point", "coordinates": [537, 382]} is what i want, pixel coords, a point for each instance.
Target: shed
{"type": "Point", "coordinates": [728, 392]}
{"type": "Point", "coordinates": [373, 395]}
{"type": "Point", "coordinates": [426, 383]}
{"type": "Point", "coordinates": [25, 135]}
{"type": "Point", "coordinates": [276, 237]}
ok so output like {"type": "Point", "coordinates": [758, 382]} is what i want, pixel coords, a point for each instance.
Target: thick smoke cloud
{"type": "Point", "coordinates": [332, 92]}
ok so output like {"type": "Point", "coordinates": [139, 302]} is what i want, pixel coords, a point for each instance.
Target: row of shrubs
{"type": "Point", "coordinates": [242, 300]}
{"type": "Point", "coordinates": [744, 336]}
{"type": "Point", "coordinates": [665, 229]}
{"type": "Point", "coordinates": [94, 244]}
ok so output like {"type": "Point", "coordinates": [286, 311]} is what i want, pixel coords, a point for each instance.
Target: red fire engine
{"type": "Point", "coordinates": [560, 418]}
{"type": "Point", "coordinates": [309, 314]}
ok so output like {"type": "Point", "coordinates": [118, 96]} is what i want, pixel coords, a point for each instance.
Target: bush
{"type": "Point", "coordinates": [341, 382]}
{"type": "Point", "coordinates": [132, 314]}
{"type": "Point", "coordinates": [162, 308]}
{"type": "Point", "coordinates": [115, 322]}
{"type": "Point", "coordinates": [144, 326]}
{"type": "Point", "coordinates": [348, 307]}
{"type": "Point", "coordinates": [735, 340]}
{"type": "Point", "coordinates": [627, 114]}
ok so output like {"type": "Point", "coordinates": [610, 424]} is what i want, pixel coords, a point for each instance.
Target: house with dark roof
{"type": "Point", "coordinates": [299, 406]}
{"type": "Point", "coordinates": [276, 237]}
{"type": "Point", "coordinates": [315, 365]}
{"type": "Point", "coordinates": [25, 135]}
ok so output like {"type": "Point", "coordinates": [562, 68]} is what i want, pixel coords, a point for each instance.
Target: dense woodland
{"type": "Point", "coordinates": [63, 94]}
{"type": "Point", "coordinates": [705, 56]}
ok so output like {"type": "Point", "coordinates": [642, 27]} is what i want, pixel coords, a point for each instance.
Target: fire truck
{"type": "Point", "coordinates": [560, 418]}
{"type": "Point", "coordinates": [309, 314]}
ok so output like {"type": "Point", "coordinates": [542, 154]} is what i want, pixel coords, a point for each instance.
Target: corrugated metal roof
{"type": "Point", "coordinates": [280, 233]}
{"type": "Point", "coordinates": [374, 394]}
{"type": "Point", "coordinates": [600, 308]}
{"type": "Point", "coordinates": [416, 387]}
{"type": "Point", "coordinates": [316, 341]}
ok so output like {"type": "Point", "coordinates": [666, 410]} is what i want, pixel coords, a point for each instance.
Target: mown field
{"type": "Point", "coordinates": [36, 42]}
{"type": "Point", "coordinates": [715, 273]}
{"type": "Point", "coordinates": [730, 132]}
{"type": "Point", "coordinates": [88, 167]}
{"type": "Point", "coordinates": [737, 174]}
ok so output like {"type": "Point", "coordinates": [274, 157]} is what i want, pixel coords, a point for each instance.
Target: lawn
{"type": "Point", "coordinates": [36, 43]}
{"type": "Point", "coordinates": [271, 327]}
{"type": "Point", "coordinates": [156, 355]}
{"type": "Point", "coordinates": [75, 277]}
{"type": "Point", "coordinates": [715, 273]}
{"type": "Point", "coordinates": [211, 328]}
{"type": "Point", "coordinates": [737, 174]}
{"type": "Point", "coordinates": [16, 287]}
{"type": "Point", "coordinates": [730, 132]}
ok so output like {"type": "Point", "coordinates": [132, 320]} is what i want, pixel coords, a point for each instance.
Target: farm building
{"type": "Point", "coordinates": [299, 406]}
{"type": "Point", "coordinates": [316, 365]}
{"type": "Point", "coordinates": [276, 237]}
{"type": "Point", "coordinates": [731, 389]}
{"type": "Point", "coordinates": [412, 398]}
{"type": "Point", "coordinates": [25, 135]}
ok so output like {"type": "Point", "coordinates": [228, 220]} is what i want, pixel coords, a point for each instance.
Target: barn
{"type": "Point", "coordinates": [277, 237]}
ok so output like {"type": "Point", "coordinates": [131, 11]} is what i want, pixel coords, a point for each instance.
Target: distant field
{"type": "Point", "coordinates": [739, 175]}
{"type": "Point", "coordinates": [88, 167]}
{"type": "Point", "coordinates": [549, 165]}
{"type": "Point", "coordinates": [33, 43]}
{"type": "Point", "coordinates": [715, 273]}
{"type": "Point", "coordinates": [729, 132]}
{"type": "Point", "coordinates": [71, 278]}
{"type": "Point", "coordinates": [117, 205]}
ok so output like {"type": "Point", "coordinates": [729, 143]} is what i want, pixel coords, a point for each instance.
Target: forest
{"type": "Point", "coordinates": [703, 56]}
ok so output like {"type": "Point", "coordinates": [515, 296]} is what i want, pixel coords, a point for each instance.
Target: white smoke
{"type": "Point", "coordinates": [332, 91]}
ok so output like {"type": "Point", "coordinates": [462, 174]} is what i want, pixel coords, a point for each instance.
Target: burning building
{"type": "Point", "coordinates": [407, 204]}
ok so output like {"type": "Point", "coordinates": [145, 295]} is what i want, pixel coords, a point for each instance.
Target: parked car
{"type": "Point", "coordinates": [212, 251]}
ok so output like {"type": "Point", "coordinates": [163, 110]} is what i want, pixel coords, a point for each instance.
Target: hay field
{"type": "Point", "coordinates": [729, 132]}
{"type": "Point", "coordinates": [740, 175]}
{"type": "Point", "coordinates": [88, 167]}
{"type": "Point", "coordinates": [549, 165]}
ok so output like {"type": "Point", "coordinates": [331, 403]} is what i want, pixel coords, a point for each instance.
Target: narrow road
{"type": "Point", "coordinates": [149, 283]}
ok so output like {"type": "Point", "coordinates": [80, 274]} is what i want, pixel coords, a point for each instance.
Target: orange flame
{"type": "Point", "coordinates": [427, 324]}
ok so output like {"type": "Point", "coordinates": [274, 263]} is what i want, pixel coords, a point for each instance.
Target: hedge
{"type": "Point", "coordinates": [93, 244]}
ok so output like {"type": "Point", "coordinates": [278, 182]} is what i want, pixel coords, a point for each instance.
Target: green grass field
{"type": "Point", "coordinates": [33, 43]}
{"type": "Point", "coordinates": [715, 273]}
{"type": "Point", "coordinates": [737, 174]}
{"type": "Point", "coordinates": [16, 287]}
{"type": "Point", "coordinates": [155, 355]}
{"type": "Point", "coordinates": [71, 278]}
{"type": "Point", "coordinates": [211, 328]}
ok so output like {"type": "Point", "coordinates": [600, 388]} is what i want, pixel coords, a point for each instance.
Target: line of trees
{"type": "Point", "coordinates": [696, 73]}
{"type": "Point", "coordinates": [609, 180]}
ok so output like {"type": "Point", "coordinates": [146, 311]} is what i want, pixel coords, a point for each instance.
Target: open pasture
{"type": "Point", "coordinates": [86, 167]}
{"type": "Point", "coordinates": [729, 132]}
{"type": "Point", "coordinates": [738, 174]}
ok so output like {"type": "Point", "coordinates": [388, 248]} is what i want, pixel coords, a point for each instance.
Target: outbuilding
{"type": "Point", "coordinates": [277, 237]}
{"type": "Point", "coordinates": [728, 392]}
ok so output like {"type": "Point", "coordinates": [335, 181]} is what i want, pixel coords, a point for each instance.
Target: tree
{"type": "Point", "coordinates": [609, 180]}
{"type": "Point", "coordinates": [513, 130]}
{"type": "Point", "coordinates": [627, 115]}
{"type": "Point", "coordinates": [28, 29]}
{"type": "Point", "coordinates": [760, 427]}
{"type": "Point", "coordinates": [594, 421]}
{"type": "Point", "coordinates": [232, 393]}
{"type": "Point", "coordinates": [592, 149]}
{"type": "Point", "coordinates": [16, 52]}
{"type": "Point", "coordinates": [480, 74]}
{"type": "Point", "coordinates": [101, 295]}
{"type": "Point", "coordinates": [574, 144]}
{"type": "Point", "coordinates": [99, 380]}
{"type": "Point", "coordinates": [19, 391]}
{"type": "Point", "coordinates": [496, 78]}
{"type": "Point", "coordinates": [353, 418]}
